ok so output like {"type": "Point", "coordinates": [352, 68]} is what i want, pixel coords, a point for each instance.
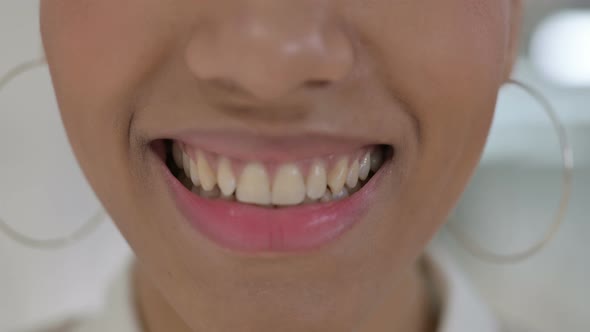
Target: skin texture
{"type": "Point", "coordinates": [420, 75]}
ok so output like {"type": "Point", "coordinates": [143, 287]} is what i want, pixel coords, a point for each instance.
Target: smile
{"type": "Point", "coordinates": [272, 205]}
{"type": "Point", "coordinates": [304, 182]}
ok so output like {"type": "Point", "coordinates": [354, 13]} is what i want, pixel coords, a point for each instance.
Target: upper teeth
{"type": "Point", "coordinates": [317, 180]}
{"type": "Point", "coordinates": [292, 183]}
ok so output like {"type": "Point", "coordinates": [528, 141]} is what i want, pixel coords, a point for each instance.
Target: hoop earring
{"type": "Point", "coordinates": [566, 188]}
{"type": "Point", "coordinates": [52, 243]}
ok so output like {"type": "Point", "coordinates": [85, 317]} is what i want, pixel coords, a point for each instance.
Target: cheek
{"type": "Point", "coordinates": [458, 90]}
{"type": "Point", "coordinates": [445, 60]}
{"type": "Point", "coordinates": [98, 53]}
{"type": "Point", "coordinates": [99, 50]}
{"type": "Point", "coordinates": [447, 70]}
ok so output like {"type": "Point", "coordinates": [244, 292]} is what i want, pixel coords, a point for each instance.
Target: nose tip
{"type": "Point", "coordinates": [269, 55]}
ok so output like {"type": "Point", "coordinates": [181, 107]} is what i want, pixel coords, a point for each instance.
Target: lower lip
{"type": "Point", "coordinates": [248, 228]}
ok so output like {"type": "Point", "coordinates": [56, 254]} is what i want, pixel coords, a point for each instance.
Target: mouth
{"type": "Point", "coordinates": [272, 205]}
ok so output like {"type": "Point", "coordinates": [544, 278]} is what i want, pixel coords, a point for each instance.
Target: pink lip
{"type": "Point", "coordinates": [248, 228]}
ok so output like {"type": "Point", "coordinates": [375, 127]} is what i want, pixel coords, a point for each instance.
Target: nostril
{"type": "Point", "coordinates": [315, 84]}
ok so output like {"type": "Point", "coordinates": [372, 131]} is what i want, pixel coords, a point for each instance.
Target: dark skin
{"type": "Point", "coordinates": [420, 75]}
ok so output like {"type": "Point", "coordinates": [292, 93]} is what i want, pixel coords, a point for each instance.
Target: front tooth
{"type": "Point", "coordinates": [316, 181]}
{"type": "Point", "coordinates": [288, 187]}
{"type": "Point", "coordinates": [376, 159]}
{"type": "Point", "coordinates": [254, 186]}
{"type": "Point", "coordinates": [177, 154]}
{"type": "Point", "coordinates": [206, 175]}
{"type": "Point", "coordinates": [365, 166]}
{"type": "Point", "coordinates": [225, 177]}
{"type": "Point", "coordinates": [194, 173]}
{"type": "Point", "coordinates": [353, 175]}
{"type": "Point", "coordinates": [337, 176]}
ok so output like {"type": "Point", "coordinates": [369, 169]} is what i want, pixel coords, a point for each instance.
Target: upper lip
{"type": "Point", "coordinates": [300, 126]}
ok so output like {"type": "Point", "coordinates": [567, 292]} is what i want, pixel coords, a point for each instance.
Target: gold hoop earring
{"type": "Point", "coordinates": [52, 243]}
{"type": "Point", "coordinates": [567, 158]}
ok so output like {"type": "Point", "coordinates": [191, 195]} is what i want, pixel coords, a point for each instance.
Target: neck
{"type": "Point", "coordinates": [409, 308]}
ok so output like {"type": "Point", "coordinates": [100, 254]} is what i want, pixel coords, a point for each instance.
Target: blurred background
{"type": "Point", "coordinates": [509, 204]}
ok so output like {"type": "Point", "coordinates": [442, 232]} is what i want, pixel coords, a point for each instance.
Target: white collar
{"type": "Point", "coordinates": [462, 310]}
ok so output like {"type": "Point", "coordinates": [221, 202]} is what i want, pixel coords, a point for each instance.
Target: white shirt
{"type": "Point", "coordinates": [462, 309]}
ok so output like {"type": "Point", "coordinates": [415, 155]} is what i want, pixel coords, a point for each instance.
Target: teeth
{"type": "Point", "coordinates": [337, 176]}
{"type": "Point", "coordinates": [326, 197]}
{"type": "Point", "coordinates": [288, 187]}
{"type": "Point", "coordinates": [225, 177]}
{"type": "Point", "coordinates": [228, 198]}
{"type": "Point", "coordinates": [194, 173]}
{"type": "Point", "coordinates": [254, 186]}
{"type": "Point", "coordinates": [186, 163]}
{"type": "Point", "coordinates": [214, 193]}
{"type": "Point", "coordinates": [365, 166]}
{"type": "Point", "coordinates": [206, 175]}
{"type": "Point", "coordinates": [341, 194]}
{"type": "Point", "coordinates": [308, 200]}
{"type": "Point", "coordinates": [376, 159]}
{"type": "Point", "coordinates": [316, 181]}
{"type": "Point", "coordinates": [355, 188]}
{"type": "Point", "coordinates": [353, 175]}
{"type": "Point", "coordinates": [177, 155]}
{"type": "Point", "coordinates": [185, 181]}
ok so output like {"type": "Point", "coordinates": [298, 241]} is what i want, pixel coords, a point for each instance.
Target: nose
{"type": "Point", "coordinates": [269, 48]}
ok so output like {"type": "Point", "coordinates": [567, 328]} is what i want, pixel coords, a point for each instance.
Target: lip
{"type": "Point", "coordinates": [253, 229]}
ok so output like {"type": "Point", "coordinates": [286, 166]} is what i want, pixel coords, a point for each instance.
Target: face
{"type": "Point", "coordinates": [272, 108]}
